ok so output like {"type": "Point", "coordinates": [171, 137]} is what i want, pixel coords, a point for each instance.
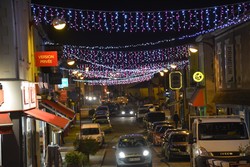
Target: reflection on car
{"type": "Point", "coordinates": [176, 145]}
{"type": "Point", "coordinates": [133, 150]}
{"type": "Point", "coordinates": [159, 132]}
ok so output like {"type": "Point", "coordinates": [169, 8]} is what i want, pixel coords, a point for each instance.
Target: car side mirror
{"type": "Point", "coordinates": [102, 133]}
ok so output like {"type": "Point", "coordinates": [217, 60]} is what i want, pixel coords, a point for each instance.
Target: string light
{"type": "Point", "coordinates": [187, 21]}
{"type": "Point", "coordinates": [124, 67]}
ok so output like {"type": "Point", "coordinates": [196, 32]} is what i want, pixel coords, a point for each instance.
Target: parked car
{"type": "Point", "coordinates": [143, 109]}
{"type": "Point", "coordinates": [176, 145]}
{"type": "Point", "coordinates": [100, 117]}
{"type": "Point", "coordinates": [133, 150]}
{"type": "Point", "coordinates": [102, 110]}
{"type": "Point", "coordinates": [92, 130]}
{"type": "Point", "coordinates": [114, 108]}
{"type": "Point", "coordinates": [151, 117]}
{"type": "Point", "coordinates": [127, 111]}
{"type": "Point", "coordinates": [165, 137]}
{"type": "Point", "coordinates": [159, 132]}
{"type": "Point", "coordinates": [152, 128]}
{"type": "Point", "coordinates": [104, 123]}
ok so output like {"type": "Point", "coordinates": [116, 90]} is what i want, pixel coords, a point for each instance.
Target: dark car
{"type": "Point", "coordinates": [176, 146]}
{"type": "Point", "coordinates": [165, 137]}
{"type": "Point", "coordinates": [152, 127]}
{"type": "Point", "coordinates": [159, 132]}
{"type": "Point", "coordinates": [127, 111]}
{"type": "Point", "coordinates": [152, 117]}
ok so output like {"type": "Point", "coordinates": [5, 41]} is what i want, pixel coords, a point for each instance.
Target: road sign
{"type": "Point", "coordinates": [175, 80]}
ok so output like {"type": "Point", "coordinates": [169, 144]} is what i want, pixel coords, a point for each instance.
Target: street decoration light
{"type": "Point", "coordinates": [193, 48]}
{"type": "Point", "coordinates": [58, 23]}
{"type": "Point", "coordinates": [71, 62]}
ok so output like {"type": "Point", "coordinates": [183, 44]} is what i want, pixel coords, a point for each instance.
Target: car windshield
{"type": "Point", "coordinates": [131, 142]}
{"type": "Point", "coordinates": [89, 131]}
{"type": "Point", "coordinates": [179, 138]}
{"type": "Point", "coordinates": [222, 131]}
{"type": "Point", "coordinates": [102, 108]}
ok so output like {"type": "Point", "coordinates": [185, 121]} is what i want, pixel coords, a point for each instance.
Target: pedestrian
{"type": "Point", "coordinates": [176, 119]}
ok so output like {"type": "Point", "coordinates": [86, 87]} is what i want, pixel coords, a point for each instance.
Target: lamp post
{"type": "Point", "coordinates": [204, 55]}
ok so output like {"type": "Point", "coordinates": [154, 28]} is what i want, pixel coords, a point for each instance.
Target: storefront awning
{"type": "Point", "coordinates": [198, 99]}
{"type": "Point", "coordinates": [5, 124]}
{"type": "Point", "coordinates": [232, 97]}
{"type": "Point", "coordinates": [52, 119]}
{"type": "Point", "coordinates": [60, 108]}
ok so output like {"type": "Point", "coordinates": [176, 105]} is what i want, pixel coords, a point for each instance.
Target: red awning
{"type": "Point", "coordinates": [5, 124]}
{"type": "Point", "coordinates": [60, 108]}
{"type": "Point", "coordinates": [49, 118]}
{"type": "Point", "coordinates": [197, 99]}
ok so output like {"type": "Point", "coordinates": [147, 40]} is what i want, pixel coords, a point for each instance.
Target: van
{"type": "Point", "coordinates": [92, 130]}
{"type": "Point", "coordinates": [224, 138]}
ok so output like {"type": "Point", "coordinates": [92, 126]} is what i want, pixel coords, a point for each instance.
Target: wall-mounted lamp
{"type": "Point", "coordinates": [165, 70]}
{"type": "Point", "coordinates": [71, 62]}
{"type": "Point", "coordinates": [173, 66]}
{"type": "Point", "coordinates": [161, 73]}
{"type": "Point", "coordinates": [75, 72]}
{"type": "Point", "coordinates": [59, 23]}
{"type": "Point", "coordinates": [193, 48]}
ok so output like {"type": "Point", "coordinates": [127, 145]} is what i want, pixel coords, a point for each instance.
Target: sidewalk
{"type": "Point", "coordinates": [95, 160]}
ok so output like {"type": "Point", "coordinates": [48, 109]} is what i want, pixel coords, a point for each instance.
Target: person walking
{"type": "Point", "coordinates": [176, 119]}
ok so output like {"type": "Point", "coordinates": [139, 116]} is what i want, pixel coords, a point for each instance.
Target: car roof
{"type": "Point", "coordinates": [90, 125]}
{"type": "Point", "coordinates": [179, 133]}
{"type": "Point", "coordinates": [134, 135]}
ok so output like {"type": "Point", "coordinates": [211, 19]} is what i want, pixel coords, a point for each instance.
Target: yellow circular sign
{"type": "Point", "coordinates": [198, 76]}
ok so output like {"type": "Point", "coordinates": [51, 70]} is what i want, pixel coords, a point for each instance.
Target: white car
{"type": "Point", "coordinates": [133, 150]}
{"type": "Point", "coordinates": [92, 130]}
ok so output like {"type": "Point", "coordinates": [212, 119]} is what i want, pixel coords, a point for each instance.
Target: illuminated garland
{"type": "Point", "coordinates": [97, 59]}
{"type": "Point", "coordinates": [124, 67]}
{"type": "Point", "coordinates": [188, 20]}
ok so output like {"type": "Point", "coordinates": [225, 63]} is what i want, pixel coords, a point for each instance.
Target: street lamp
{"type": "Point", "coordinates": [59, 23]}
{"type": "Point", "coordinates": [71, 62]}
{"type": "Point", "coordinates": [193, 48]}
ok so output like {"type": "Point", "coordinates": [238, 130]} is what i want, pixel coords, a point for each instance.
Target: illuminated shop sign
{"type": "Point", "coordinates": [198, 76]}
{"type": "Point", "coordinates": [46, 59]}
{"type": "Point", "coordinates": [18, 95]}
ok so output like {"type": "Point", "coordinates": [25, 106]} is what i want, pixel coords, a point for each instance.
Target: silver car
{"type": "Point", "coordinates": [133, 150]}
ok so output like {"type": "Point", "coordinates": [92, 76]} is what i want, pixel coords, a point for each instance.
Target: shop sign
{"type": "Point", "coordinates": [18, 96]}
{"type": "Point", "coordinates": [198, 76]}
{"type": "Point", "coordinates": [46, 59]}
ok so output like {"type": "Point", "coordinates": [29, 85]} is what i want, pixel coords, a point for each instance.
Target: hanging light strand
{"type": "Point", "coordinates": [144, 21]}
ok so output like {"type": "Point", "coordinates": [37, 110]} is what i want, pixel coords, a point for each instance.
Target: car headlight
{"type": "Point", "coordinates": [202, 152]}
{"type": "Point", "coordinates": [121, 155]}
{"type": "Point", "coordinates": [131, 112]}
{"type": "Point", "coordinates": [145, 153]}
{"type": "Point", "coordinates": [123, 112]}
